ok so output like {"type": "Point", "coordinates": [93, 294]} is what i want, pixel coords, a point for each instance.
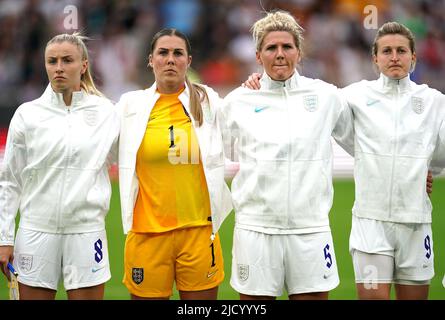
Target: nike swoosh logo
{"type": "Point", "coordinates": [211, 274]}
{"type": "Point", "coordinates": [97, 269]}
{"type": "Point", "coordinates": [259, 109]}
{"type": "Point", "coordinates": [371, 102]}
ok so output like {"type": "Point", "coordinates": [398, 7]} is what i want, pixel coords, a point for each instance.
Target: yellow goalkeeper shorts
{"type": "Point", "coordinates": [153, 261]}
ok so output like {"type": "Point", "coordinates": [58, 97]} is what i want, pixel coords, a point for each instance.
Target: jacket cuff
{"type": "Point", "coordinates": [6, 240]}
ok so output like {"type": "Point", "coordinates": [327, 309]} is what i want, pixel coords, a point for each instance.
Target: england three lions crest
{"type": "Point", "coordinates": [310, 102]}
{"type": "Point", "coordinates": [137, 274]}
{"type": "Point", "coordinates": [25, 262]}
{"type": "Point", "coordinates": [91, 117]}
{"type": "Point", "coordinates": [243, 272]}
{"type": "Point", "coordinates": [417, 104]}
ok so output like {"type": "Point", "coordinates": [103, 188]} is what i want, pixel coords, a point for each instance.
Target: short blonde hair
{"type": "Point", "coordinates": [277, 21]}
{"type": "Point", "coordinates": [86, 80]}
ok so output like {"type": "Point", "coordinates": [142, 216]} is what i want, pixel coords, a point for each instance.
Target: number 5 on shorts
{"type": "Point", "coordinates": [327, 256]}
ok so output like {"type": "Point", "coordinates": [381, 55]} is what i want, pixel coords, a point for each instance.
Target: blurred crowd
{"type": "Point", "coordinates": [336, 47]}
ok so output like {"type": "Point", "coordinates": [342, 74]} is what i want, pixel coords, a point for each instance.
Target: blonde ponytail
{"type": "Point", "coordinates": [198, 95]}
{"type": "Point", "coordinates": [86, 80]}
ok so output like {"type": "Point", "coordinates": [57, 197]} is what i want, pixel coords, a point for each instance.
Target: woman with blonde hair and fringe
{"type": "Point", "coordinates": [171, 177]}
{"type": "Point", "coordinates": [55, 171]}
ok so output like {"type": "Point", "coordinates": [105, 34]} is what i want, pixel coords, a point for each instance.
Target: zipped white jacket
{"type": "Point", "coordinates": [397, 125]}
{"type": "Point", "coordinates": [281, 136]}
{"type": "Point", "coordinates": [134, 108]}
{"type": "Point", "coordinates": [55, 167]}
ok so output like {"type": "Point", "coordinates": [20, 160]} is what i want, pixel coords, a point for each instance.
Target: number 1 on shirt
{"type": "Point", "coordinates": [172, 137]}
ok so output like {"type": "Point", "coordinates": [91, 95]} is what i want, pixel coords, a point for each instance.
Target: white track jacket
{"type": "Point", "coordinates": [134, 108]}
{"type": "Point", "coordinates": [281, 136]}
{"type": "Point", "coordinates": [55, 167]}
{"type": "Point", "coordinates": [397, 128]}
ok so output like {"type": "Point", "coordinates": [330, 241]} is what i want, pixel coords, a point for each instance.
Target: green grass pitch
{"type": "Point", "coordinates": [340, 218]}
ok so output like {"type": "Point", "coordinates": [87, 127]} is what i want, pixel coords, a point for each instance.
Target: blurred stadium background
{"type": "Point", "coordinates": [336, 49]}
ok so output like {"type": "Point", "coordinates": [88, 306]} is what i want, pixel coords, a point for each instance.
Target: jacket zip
{"type": "Point", "coordinates": [67, 158]}
{"type": "Point", "coordinates": [396, 134]}
{"type": "Point", "coordinates": [289, 154]}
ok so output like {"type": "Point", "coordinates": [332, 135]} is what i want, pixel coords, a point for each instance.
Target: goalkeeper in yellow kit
{"type": "Point", "coordinates": [171, 171]}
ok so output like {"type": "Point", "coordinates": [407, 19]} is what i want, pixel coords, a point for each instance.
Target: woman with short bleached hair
{"type": "Point", "coordinates": [282, 193]}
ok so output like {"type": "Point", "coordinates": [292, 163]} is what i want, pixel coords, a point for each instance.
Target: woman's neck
{"type": "Point", "coordinates": [67, 97]}
{"type": "Point", "coordinates": [170, 88]}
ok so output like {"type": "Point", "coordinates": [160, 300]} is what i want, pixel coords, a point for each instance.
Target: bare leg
{"type": "Point", "coordinates": [35, 293]}
{"type": "Point", "coordinates": [209, 294]}
{"type": "Point", "coordinates": [379, 291]}
{"type": "Point", "coordinates": [310, 296]}
{"type": "Point", "coordinates": [412, 292]}
{"type": "Point", "coordinates": [88, 293]}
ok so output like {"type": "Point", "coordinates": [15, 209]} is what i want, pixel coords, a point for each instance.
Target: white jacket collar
{"type": "Point", "coordinates": [268, 83]}
{"type": "Point", "coordinates": [56, 98]}
{"type": "Point", "coordinates": [387, 84]}
{"type": "Point", "coordinates": [184, 97]}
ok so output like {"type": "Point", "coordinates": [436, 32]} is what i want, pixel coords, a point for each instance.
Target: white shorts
{"type": "Point", "coordinates": [408, 245]}
{"type": "Point", "coordinates": [264, 264]}
{"type": "Point", "coordinates": [41, 259]}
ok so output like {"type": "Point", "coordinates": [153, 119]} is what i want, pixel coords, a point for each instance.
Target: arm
{"type": "Point", "coordinates": [429, 182]}
{"type": "Point", "coordinates": [14, 162]}
{"type": "Point", "coordinates": [343, 131]}
{"type": "Point", "coordinates": [437, 163]}
{"type": "Point", "coordinates": [231, 165]}
{"type": "Point", "coordinates": [113, 154]}
{"type": "Point", "coordinates": [438, 159]}
{"type": "Point", "coordinates": [119, 107]}
{"type": "Point", "coordinates": [6, 255]}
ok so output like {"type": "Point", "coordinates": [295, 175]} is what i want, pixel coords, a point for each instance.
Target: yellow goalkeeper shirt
{"type": "Point", "coordinates": [173, 190]}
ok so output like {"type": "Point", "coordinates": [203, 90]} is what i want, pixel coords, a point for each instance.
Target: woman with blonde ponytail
{"type": "Point", "coordinates": [76, 39]}
{"type": "Point", "coordinates": [55, 171]}
{"type": "Point", "coordinates": [171, 178]}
